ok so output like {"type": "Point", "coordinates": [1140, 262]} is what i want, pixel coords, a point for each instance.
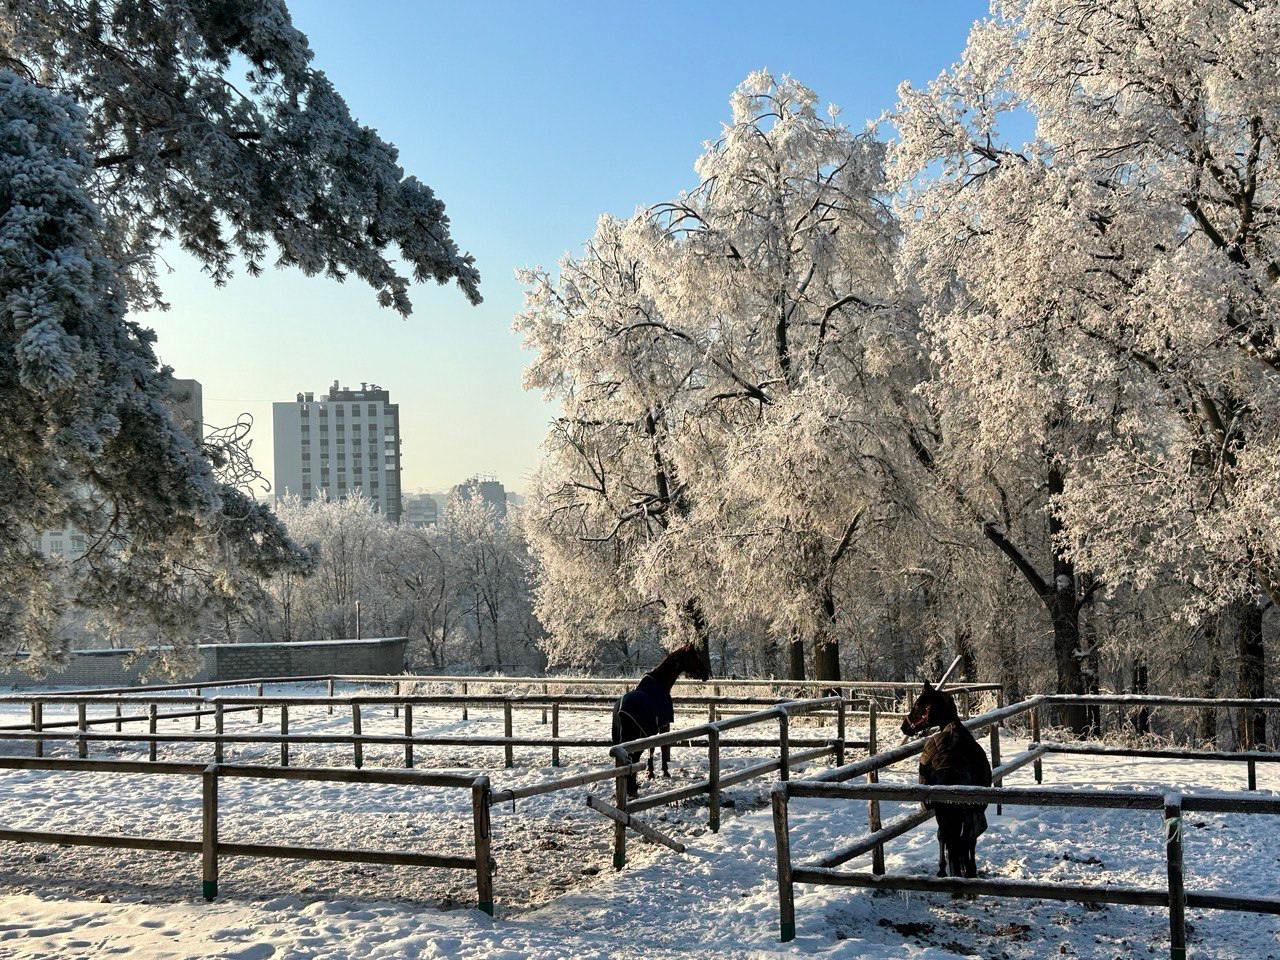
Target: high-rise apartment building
{"type": "Point", "coordinates": [345, 443]}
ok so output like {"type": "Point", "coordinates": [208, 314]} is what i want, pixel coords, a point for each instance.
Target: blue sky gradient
{"type": "Point", "coordinates": [529, 120]}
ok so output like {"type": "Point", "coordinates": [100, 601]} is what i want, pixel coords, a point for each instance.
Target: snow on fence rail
{"type": "Point", "coordinates": [211, 848]}
{"type": "Point", "coordinates": [832, 785]}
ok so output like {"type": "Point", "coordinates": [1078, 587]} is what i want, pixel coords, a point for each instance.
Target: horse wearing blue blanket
{"type": "Point", "coordinates": [648, 710]}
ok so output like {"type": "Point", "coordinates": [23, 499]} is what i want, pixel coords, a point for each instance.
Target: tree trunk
{"type": "Point", "coordinates": [796, 652]}
{"type": "Point", "coordinates": [1252, 677]}
{"type": "Point", "coordinates": [1209, 682]}
{"type": "Point", "coordinates": [1139, 684]}
{"type": "Point", "coordinates": [1064, 610]}
{"type": "Point", "coordinates": [826, 659]}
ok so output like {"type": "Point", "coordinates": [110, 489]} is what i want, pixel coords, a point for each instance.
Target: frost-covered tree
{"type": "Point", "coordinates": [1126, 293]}
{"type": "Point", "coordinates": [125, 126]}
{"type": "Point", "coordinates": [724, 362]}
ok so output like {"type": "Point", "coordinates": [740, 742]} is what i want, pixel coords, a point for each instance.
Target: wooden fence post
{"type": "Point", "coordinates": [217, 729]}
{"type": "Point", "coordinates": [119, 722]}
{"type": "Point", "coordinates": [152, 712]}
{"type": "Point", "coordinates": [395, 707]}
{"type": "Point", "coordinates": [480, 818]}
{"type": "Point", "coordinates": [545, 693]}
{"type": "Point", "coordinates": [1035, 740]}
{"type": "Point", "coordinates": [37, 724]}
{"type": "Point", "coordinates": [260, 692]}
{"type": "Point", "coordinates": [82, 745]}
{"type": "Point", "coordinates": [995, 760]}
{"type": "Point", "coordinates": [357, 745]}
{"type": "Point", "coordinates": [840, 726]}
{"type": "Point", "coordinates": [509, 751]}
{"type": "Point", "coordinates": [408, 732]}
{"type": "Point", "coordinates": [555, 733]}
{"type": "Point", "coordinates": [1173, 860]}
{"type": "Point", "coordinates": [784, 746]}
{"type": "Point", "coordinates": [331, 696]}
{"type": "Point", "coordinates": [199, 707]}
{"type": "Point", "coordinates": [464, 705]}
{"type": "Point", "coordinates": [209, 834]}
{"type": "Point", "coordinates": [619, 828]}
{"type": "Point", "coordinates": [782, 844]}
{"type": "Point", "coordinates": [873, 776]}
{"type": "Point", "coordinates": [284, 732]}
{"type": "Point", "coordinates": [1253, 774]}
{"type": "Point", "coordinates": [713, 776]}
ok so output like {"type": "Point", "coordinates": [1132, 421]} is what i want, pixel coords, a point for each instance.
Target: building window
{"type": "Point", "coordinates": [324, 411]}
{"type": "Point", "coordinates": [355, 409]}
{"type": "Point", "coordinates": [355, 428]}
{"type": "Point", "coordinates": [339, 411]}
{"type": "Point", "coordinates": [306, 428]}
{"type": "Point", "coordinates": [373, 410]}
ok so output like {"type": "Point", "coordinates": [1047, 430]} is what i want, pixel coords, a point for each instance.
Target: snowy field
{"type": "Point", "coordinates": [557, 895]}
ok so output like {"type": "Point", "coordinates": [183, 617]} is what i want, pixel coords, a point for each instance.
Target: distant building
{"type": "Point", "coordinates": [186, 401]}
{"type": "Point", "coordinates": [345, 443]}
{"type": "Point", "coordinates": [487, 489]}
{"type": "Point", "coordinates": [420, 510]}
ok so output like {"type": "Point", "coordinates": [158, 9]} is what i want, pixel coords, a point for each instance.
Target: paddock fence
{"type": "Point", "coordinates": [833, 785]}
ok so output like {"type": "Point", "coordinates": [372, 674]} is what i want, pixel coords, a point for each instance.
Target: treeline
{"type": "Point", "coordinates": [458, 590]}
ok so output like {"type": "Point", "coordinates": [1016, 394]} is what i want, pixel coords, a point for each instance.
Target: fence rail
{"type": "Point", "coordinates": [212, 848]}
{"type": "Point", "coordinates": [833, 784]}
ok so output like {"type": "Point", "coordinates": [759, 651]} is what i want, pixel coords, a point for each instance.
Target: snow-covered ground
{"type": "Point", "coordinates": [557, 894]}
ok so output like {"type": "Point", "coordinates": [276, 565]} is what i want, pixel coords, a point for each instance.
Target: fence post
{"type": "Point", "coordinates": [357, 745]}
{"type": "Point", "coordinates": [152, 711]}
{"type": "Point", "coordinates": [1035, 741]}
{"type": "Point", "coordinates": [260, 692]}
{"type": "Point", "coordinates": [784, 745]}
{"type": "Point", "coordinates": [37, 724]}
{"type": "Point", "coordinates": [119, 722]}
{"type": "Point", "coordinates": [217, 730]}
{"type": "Point", "coordinates": [408, 732]}
{"type": "Point", "coordinates": [995, 760]}
{"type": "Point", "coordinates": [209, 834]}
{"type": "Point", "coordinates": [199, 707]}
{"type": "Point", "coordinates": [840, 725]}
{"type": "Point", "coordinates": [782, 844]}
{"type": "Point", "coordinates": [82, 745]}
{"type": "Point", "coordinates": [1173, 860]}
{"type": "Point", "coordinates": [331, 696]}
{"type": "Point", "coordinates": [620, 828]}
{"type": "Point", "coordinates": [509, 751]}
{"type": "Point", "coordinates": [464, 705]}
{"type": "Point", "coordinates": [484, 868]}
{"type": "Point", "coordinates": [395, 707]}
{"type": "Point", "coordinates": [555, 733]}
{"type": "Point", "coordinates": [713, 776]}
{"type": "Point", "coordinates": [284, 732]}
{"type": "Point", "coordinates": [873, 776]}
{"type": "Point", "coordinates": [545, 693]}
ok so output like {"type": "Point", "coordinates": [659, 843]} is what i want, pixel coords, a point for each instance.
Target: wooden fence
{"type": "Point", "coordinates": [832, 785]}
{"type": "Point", "coordinates": [212, 848]}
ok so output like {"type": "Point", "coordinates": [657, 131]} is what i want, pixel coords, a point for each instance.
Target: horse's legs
{"type": "Point", "coordinates": [666, 759]}
{"type": "Point", "coordinates": [633, 783]}
{"type": "Point", "coordinates": [971, 858]}
{"type": "Point", "coordinates": [651, 763]}
{"type": "Point", "coordinates": [942, 854]}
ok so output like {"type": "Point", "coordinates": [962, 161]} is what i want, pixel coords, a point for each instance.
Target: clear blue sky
{"type": "Point", "coordinates": [529, 119]}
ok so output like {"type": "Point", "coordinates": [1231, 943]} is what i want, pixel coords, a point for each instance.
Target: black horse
{"type": "Point", "coordinates": [951, 757]}
{"type": "Point", "coordinates": [648, 710]}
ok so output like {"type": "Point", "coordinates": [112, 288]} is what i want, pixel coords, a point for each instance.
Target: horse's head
{"type": "Point", "coordinates": [693, 663]}
{"type": "Point", "coordinates": [933, 708]}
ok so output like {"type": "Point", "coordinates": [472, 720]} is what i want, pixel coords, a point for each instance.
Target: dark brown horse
{"type": "Point", "coordinates": [951, 757]}
{"type": "Point", "coordinates": [648, 709]}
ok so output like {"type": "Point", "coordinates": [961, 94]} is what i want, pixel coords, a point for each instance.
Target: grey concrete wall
{"type": "Point", "coordinates": [229, 661]}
